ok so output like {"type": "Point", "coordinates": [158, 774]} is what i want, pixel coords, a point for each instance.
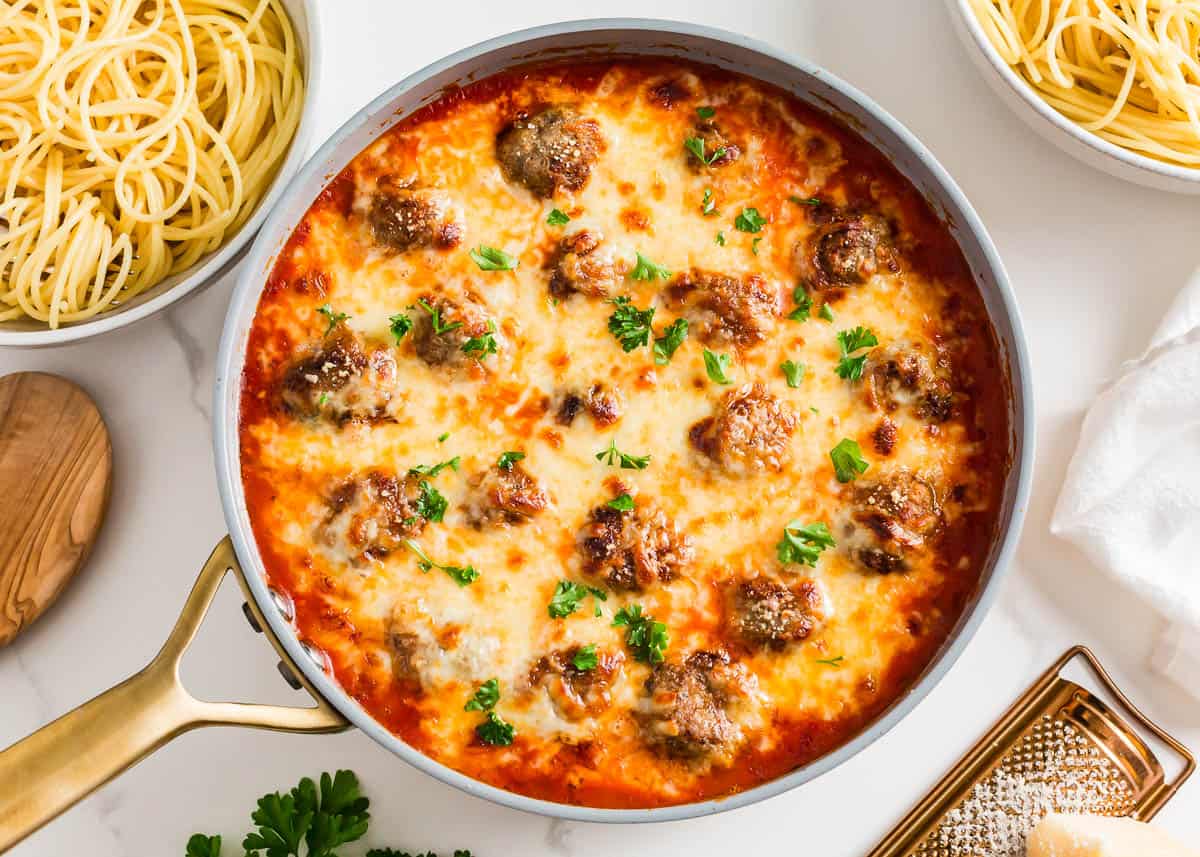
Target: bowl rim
{"type": "Point", "coordinates": [226, 420]}
{"type": "Point", "coordinates": [1088, 138]}
{"type": "Point", "coordinates": [218, 263]}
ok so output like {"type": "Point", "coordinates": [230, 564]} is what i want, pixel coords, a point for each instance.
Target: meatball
{"type": "Point", "coordinates": [371, 515]}
{"type": "Point", "coordinates": [504, 496]}
{"type": "Point", "coordinates": [341, 381]}
{"type": "Point", "coordinates": [766, 614]}
{"type": "Point", "coordinates": [632, 550]}
{"type": "Point", "coordinates": [893, 517]}
{"type": "Point", "coordinates": [691, 709]}
{"type": "Point", "coordinates": [404, 219]}
{"type": "Point", "coordinates": [602, 404]}
{"type": "Point", "coordinates": [577, 693]}
{"type": "Point", "coordinates": [583, 265]}
{"type": "Point", "coordinates": [551, 151]}
{"type": "Point", "coordinates": [727, 310]}
{"type": "Point", "coordinates": [718, 149]}
{"type": "Point", "coordinates": [749, 432]}
{"type": "Point", "coordinates": [845, 252]}
{"type": "Point", "coordinates": [904, 375]}
{"type": "Point", "coordinates": [442, 325]}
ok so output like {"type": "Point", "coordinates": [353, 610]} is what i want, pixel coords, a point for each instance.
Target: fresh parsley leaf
{"type": "Point", "coordinates": [334, 318]}
{"type": "Point", "coordinates": [803, 543]}
{"type": "Point", "coordinates": [793, 371]}
{"type": "Point", "coordinates": [754, 245]}
{"type": "Point", "coordinates": [323, 399]}
{"type": "Point", "coordinates": [695, 145]}
{"type": "Point", "coordinates": [848, 461]}
{"type": "Point", "coordinates": [750, 221]}
{"type": "Point", "coordinates": [435, 469]}
{"type": "Point", "coordinates": [612, 455]}
{"type": "Point", "coordinates": [812, 200]}
{"type": "Point", "coordinates": [849, 341]}
{"type": "Point", "coordinates": [706, 112]}
{"type": "Point", "coordinates": [826, 312]}
{"type": "Point", "coordinates": [720, 238]}
{"type": "Point", "coordinates": [459, 574]}
{"type": "Point", "coordinates": [557, 218]}
{"type": "Point", "coordinates": [715, 365]}
{"type": "Point", "coordinates": [492, 259]}
{"type": "Point", "coordinates": [585, 658]}
{"type": "Point", "coordinates": [199, 845]}
{"type": "Point", "coordinates": [672, 337]}
{"type": "Point", "coordinates": [832, 662]}
{"type": "Point", "coordinates": [508, 459]}
{"type": "Point", "coordinates": [431, 505]}
{"type": "Point", "coordinates": [568, 595]}
{"type": "Point", "coordinates": [482, 346]}
{"type": "Point", "coordinates": [485, 696]}
{"type": "Point", "coordinates": [323, 820]}
{"type": "Point", "coordinates": [646, 270]}
{"type": "Point", "coordinates": [708, 207]}
{"type": "Point", "coordinates": [401, 324]}
{"type": "Point", "coordinates": [623, 503]}
{"type": "Point", "coordinates": [803, 302]}
{"type": "Point", "coordinates": [630, 325]}
{"type": "Point", "coordinates": [644, 636]}
{"type": "Point", "coordinates": [443, 436]}
{"type": "Point", "coordinates": [495, 731]}
{"type": "Point", "coordinates": [435, 319]}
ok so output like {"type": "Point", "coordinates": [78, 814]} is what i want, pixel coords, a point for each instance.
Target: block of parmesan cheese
{"type": "Point", "coordinates": [1096, 836]}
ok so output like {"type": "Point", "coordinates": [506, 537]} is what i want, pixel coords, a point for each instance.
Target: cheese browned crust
{"type": "Point", "coordinates": [769, 665]}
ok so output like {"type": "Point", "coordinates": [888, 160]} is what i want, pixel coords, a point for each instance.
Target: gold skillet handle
{"type": "Point", "coordinates": [64, 762]}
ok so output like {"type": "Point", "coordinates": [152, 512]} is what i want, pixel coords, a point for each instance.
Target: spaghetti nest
{"type": "Point", "coordinates": [1127, 70]}
{"type": "Point", "coordinates": [135, 137]}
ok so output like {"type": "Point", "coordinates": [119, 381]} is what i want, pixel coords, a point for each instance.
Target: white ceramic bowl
{"type": "Point", "coordinates": [1058, 129]}
{"type": "Point", "coordinates": [25, 333]}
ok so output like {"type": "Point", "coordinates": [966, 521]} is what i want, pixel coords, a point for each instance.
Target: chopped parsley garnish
{"type": "Point", "coordinates": [826, 312]}
{"type": "Point", "coordinates": [647, 271]}
{"type": "Point", "coordinates": [847, 459]}
{"type": "Point", "coordinates": [754, 246]}
{"type": "Point", "coordinates": [672, 337]}
{"type": "Point", "coordinates": [485, 697]}
{"type": "Point", "coordinates": [695, 145]}
{"type": "Point", "coordinates": [508, 459]}
{"type": "Point", "coordinates": [799, 200]}
{"type": "Point", "coordinates": [435, 469]}
{"type": "Point", "coordinates": [443, 436]}
{"type": "Point", "coordinates": [492, 259]}
{"type": "Point", "coordinates": [435, 319]}
{"type": "Point", "coordinates": [401, 324]}
{"type": "Point", "coordinates": [623, 503]}
{"type": "Point", "coordinates": [323, 399]}
{"type": "Point", "coordinates": [720, 238]}
{"type": "Point", "coordinates": [462, 575]}
{"type": "Point", "coordinates": [334, 318]}
{"type": "Point", "coordinates": [708, 207]}
{"type": "Point", "coordinates": [585, 658]}
{"type": "Point", "coordinates": [803, 543]}
{"type": "Point", "coordinates": [557, 218]}
{"type": "Point", "coordinates": [803, 303]}
{"type": "Point", "coordinates": [793, 372]}
{"type": "Point", "coordinates": [612, 455]}
{"type": "Point", "coordinates": [431, 505]}
{"type": "Point", "coordinates": [850, 341]}
{"type": "Point", "coordinates": [706, 112]}
{"type": "Point", "coordinates": [495, 730]}
{"type": "Point", "coordinates": [715, 365]}
{"type": "Point", "coordinates": [630, 325]}
{"type": "Point", "coordinates": [568, 595]}
{"type": "Point", "coordinates": [482, 346]}
{"type": "Point", "coordinates": [832, 662]}
{"type": "Point", "coordinates": [750, 221]}
{"type": "Point", "coordinates": [645, 637]}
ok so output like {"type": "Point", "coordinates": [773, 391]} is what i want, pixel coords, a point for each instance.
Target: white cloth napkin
{"type": "Point", "coordinates": [1131, 500]}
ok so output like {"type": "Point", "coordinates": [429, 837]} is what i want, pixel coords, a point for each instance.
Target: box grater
{"type": "Point", "coordinates": [1059, 748]}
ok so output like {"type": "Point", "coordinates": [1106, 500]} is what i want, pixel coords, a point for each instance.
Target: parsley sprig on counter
{"type": "Point", "coordinates": [646, 638]}
{"type": "Point", "coordinates": [802, 543]}
{"type": "Point", "coordinates": [630, 325]}
{"type": "Point", "coordinates": [859, 338]}
{"type": "Point", "coordinates": [612, 456]}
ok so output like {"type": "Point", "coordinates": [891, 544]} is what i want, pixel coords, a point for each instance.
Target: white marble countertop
{"type": "Point", "coordinates": [1094, 261]}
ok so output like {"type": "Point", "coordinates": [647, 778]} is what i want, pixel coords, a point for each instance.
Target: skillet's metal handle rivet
{"type": "Point", "coordinates": [315, 655]}
{"type": "Point", "coordinates": [282, 603]}
{"type": "Point", "coordinates": [288, 675]}
{"type": "Point", "coordinates": [249, 614]}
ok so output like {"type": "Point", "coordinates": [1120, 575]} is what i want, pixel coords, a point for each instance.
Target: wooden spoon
{"type": "Point", "coordinates": [55, 479]}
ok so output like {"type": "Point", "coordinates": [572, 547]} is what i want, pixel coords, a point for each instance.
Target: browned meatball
{"type": "Point", "coordinates": [406, 650]}
{"type": "Point", "coordinates": [442, 325]}
{"type": "Point", "coordinates": [749, 432]}
{"type": "Point", "coordinates": [632, 550]}
{"type": "Point", "coordinates": [904, 375]}
{"type": "Point", "coordinates": [504, 496]}
{"type": "Point", "coordinates": [577, 693]}
{"type": "Point", "coordinates": [726, 310]}
{"type": "Point", "coordinates": [766, 614]}
{"type": "Point", "coordinates": [551, 151]}
{"type": "Point", "coordinates": [604, 405]}
{"type": "Point", "coordinates": [341, 381]}
{"type": "Point", "coordinates": [847, 251]}
{"type": "Point", "coordinates": [403, 219]}
{"type": "Point", "coordinates": [583, 265]}
{"type": "Point", "coordinates": [893, 517]}
{"type": "Point", "coordinates": [370, 516]}
{"type": "Point", "coordinates": [719, 150]}
{"type": "Point", "coordinates": [686, 712]}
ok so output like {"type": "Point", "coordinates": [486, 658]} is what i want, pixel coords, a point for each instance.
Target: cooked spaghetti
{"type": "Point", "coordinates": [1128, 71]}
{"type": "Point", "coordinates": [136, 136]}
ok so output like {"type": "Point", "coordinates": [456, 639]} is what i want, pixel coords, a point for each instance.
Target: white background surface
{"type": "Point", "coordinates": [1094, 262]}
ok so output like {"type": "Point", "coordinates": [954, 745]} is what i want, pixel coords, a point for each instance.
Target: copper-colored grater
{"type": "Point", "coordinates": [1059, 748]}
